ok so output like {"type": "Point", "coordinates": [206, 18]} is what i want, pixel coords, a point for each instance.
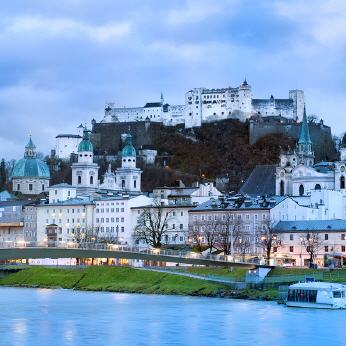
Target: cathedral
{"type": "Point", "coordinates": [30, 175]}
{"type": "Point", "coordinates": [125, 179]}
{"type": "Point", "coordinates": [298, 174]}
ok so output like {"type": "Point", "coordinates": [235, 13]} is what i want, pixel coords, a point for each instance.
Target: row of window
{"type": "Point", "coordinates": [246, 217]}
{"type": "Point", "coordinates": [67, 210]}
{"type": "Point", "coordinates": [326, 236]}
{"type": "Point", "coordinates": [326, 248]}
{"type": "Point", "coordinates": [112, 210]}
{"type": "Point", "coordinates": [112, 219]}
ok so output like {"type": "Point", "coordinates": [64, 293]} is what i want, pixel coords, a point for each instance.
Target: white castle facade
{"type": "Point", "coordinates": [207, 105]}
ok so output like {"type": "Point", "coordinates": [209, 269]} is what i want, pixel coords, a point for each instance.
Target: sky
{"type": "Point", "coordinates": [61, 60]}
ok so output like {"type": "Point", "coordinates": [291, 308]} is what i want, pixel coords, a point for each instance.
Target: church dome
{"type": "Point", "coordinates": [30, 166]}
{"type": "Point", "coordinates": [85, 144]}
{"type": "Point", "coordinates": [129, 149]}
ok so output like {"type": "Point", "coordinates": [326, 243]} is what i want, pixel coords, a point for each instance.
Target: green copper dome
{"type": "Point", "coordinates": [30, 166]}
{"type": "Point", "coordinates": [85, 144]}
{"type": "Point", "coordinates": [129, 149]}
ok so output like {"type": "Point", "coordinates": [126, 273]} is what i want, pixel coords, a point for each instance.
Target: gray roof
{"type": "Point", "coordinates": [152, 104]}
{"type": "Point", "coordinates": [240, 202]}
{"type": "Point", "coordinates": [311, 225]}
{"type": "Point", "coordinates": [61, 186]}
{"type": "Point", "coordinates": [16, 202]}
{"type": "Point", "coordinates": [71, 201]}
{"type": "Point", "coordinates": [261, 181]}
{"type": "Point", "coordinates": [67, 135]}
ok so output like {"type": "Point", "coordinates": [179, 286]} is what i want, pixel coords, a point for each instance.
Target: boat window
{"type": "Point", "coordinates": [336, 294]}
{"type": "Point", "coordinates": [301, 295]}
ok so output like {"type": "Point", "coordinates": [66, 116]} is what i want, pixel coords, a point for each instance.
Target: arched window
{"type": "Point", "coordinates": [318, 187]}
{"type": "Point", "coordinates": [91, 180]}
{"type": "Point", "coordinates": [301, 190]}
{"type": "Point", "coordinates": [79, 180]}
{"type": "Point", "coordinates": [282, 188]}
{"type": "Point", "coordinates": [342, 182]}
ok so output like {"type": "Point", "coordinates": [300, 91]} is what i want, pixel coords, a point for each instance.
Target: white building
{"type": "Point", "coordinates": [177, 222]}
{"type": "Point", "coordinates": [180, 195]}
{"type": "Point", "coordinates": [206, 105]}
{"type": "Point", "coordinates": [66, 144]}
{"type": "Point", "coordinates": [62, 219]}
{"type": "Point", "coordinates": [113, 217]}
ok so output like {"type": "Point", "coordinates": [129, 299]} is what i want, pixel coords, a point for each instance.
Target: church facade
{"type": "Point", "coordinates": [297, 173]}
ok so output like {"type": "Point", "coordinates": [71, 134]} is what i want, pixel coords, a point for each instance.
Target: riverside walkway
{"type": "Point", "coordinates": [35, 250]}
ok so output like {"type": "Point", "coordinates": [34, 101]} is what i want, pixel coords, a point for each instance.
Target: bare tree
{"type": "Point", "coordinates": [243, 244]}
{"type": "Point", "coordinates": [267, 239]}
{"type": "Point", "coordinates": [108, 238]}
{"type": "Point", "coordinates": [229, 233]}
{"type": "Point", "coordinates": [210, 231]}
{"type": "Point", "coordinates": [313, 244]}
{"type": "Point", "coordinates": [153, 224]}
{"type": "Point", "coordinates": [85, 235]}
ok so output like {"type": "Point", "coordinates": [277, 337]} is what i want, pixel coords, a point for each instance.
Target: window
{"type": "Point", "coordinates": [301, 190]}
{"type": "Point", "coordinates": [135, 184]}
{"type": "Point", "coordinates": [326, 249]}
{"type": "Point", "coordinates": [326, 237]}
{"type": "Point", "coordinates": [291, 248]}
{"type": "Point", "coordinates": [343, 248]}
{"type": "Point", "coordinates": [91, 180]}
{"type": "Point", "coordinates": [318, 187]}
{"type": "Point", "coordinates": [79, 180]}
{"type": "Point", "coordinates": [30, 187]}
{"type": "Point", "coordinates": [123, 184]}
{"type": "Point", "coordinates": [342, 182]}
{"type": "Point", "coordinates": [343, 236]}
{"type": "Point", "coordinates": [282, 188]}
{"type": "Point", "coordinates": [291, 236]}
{"type": "Point", "coordinates": [18, 187]}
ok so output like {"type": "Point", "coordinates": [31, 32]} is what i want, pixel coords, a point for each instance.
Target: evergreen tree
{"type": "Point", "coordinates": [3, 176]}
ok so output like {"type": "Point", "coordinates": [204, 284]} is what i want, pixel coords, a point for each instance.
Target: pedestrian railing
{"type": "Point", "coordinates": [125, 249]}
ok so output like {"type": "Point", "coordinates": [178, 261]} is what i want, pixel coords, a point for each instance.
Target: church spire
{"type": "Point", "coordinates": [304, 137]}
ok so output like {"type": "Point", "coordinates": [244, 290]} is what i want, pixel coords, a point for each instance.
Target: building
{"type": "Point", "coordinates": [208, 105]}
{"type": "Point", "coordinates": [177, 221]}
{"type": "Point", "coordinates": [180, 194]}
{"type": "Point", "coordinates": [30, 175]}
{"type": "Point", "coordinates": [298, 175]}
{"type": "Point", "coordinates": [66, 144]}
{"type": "Point", "coordinates": [65, 220]}
{"type": "Point", "coordinates": [12, 221]}
{"type": "Point", "coordinates": [328, 237]}
{"type": "Point", "coordinates": [85, 171]}
{"type": "Point", "coordinates": [113, 217]}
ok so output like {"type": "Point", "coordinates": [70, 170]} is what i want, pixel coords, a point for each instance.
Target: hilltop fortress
{"type": "Point", "coordinates": [208, 105]}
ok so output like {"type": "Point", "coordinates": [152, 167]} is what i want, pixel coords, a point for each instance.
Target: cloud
{"type": "Point", "coordinates": [50, 27]}
{"type": "Point", "coordinates": [194, 11]}
{"type": "Point", "coordinates": [323, 22]}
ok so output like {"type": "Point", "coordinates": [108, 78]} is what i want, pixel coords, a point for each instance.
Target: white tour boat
{"type": "Point", "coordinates": [320, 295]}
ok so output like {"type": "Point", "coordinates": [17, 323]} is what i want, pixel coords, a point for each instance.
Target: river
{"type": "Point", "coordinates": [63, 317]}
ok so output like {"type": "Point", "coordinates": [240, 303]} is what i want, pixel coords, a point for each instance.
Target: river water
{"type": "Point", "coordinates": [62, 317]}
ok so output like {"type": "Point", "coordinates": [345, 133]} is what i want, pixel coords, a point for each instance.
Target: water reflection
{"type": "Point", "coordinates": [61, 317]}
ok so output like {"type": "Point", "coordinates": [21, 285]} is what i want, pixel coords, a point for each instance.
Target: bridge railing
{"type": "Point", "coordinates": [124, 248]}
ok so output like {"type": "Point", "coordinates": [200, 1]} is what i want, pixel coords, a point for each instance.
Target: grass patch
{"type": "Point", "coordinates": [238, 274]}
{"type": "Point", "coordinates": [114, 279]}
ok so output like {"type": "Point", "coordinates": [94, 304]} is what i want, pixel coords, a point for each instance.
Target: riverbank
{"type": "Point", "coordinates": [128, 280]}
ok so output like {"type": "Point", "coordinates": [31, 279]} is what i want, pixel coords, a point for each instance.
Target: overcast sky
{"type": "Point", "coordinates": [62, 60]}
